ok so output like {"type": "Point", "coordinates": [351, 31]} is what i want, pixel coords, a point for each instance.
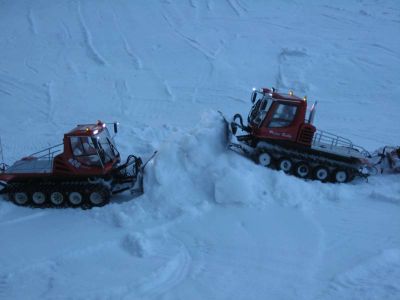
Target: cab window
{"type": "Point", "coordinates": [283, 115]}
{"type": "Point", "coordinates": [84, 150]}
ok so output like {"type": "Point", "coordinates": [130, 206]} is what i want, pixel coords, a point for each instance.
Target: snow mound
{"type": "Point", "coordinates": [137, 245]}
{"type": "Point", "coordinates": [229, 188]}
{"type": "Point", "coordinates": [194, 168]}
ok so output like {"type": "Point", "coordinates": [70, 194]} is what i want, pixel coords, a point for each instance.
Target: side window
{"type": "Point", "coordinates": [283, 115]}
{"type": "Point", "coordinates": [84, 151]}
{"type": "Point", "coordinates": [77, 146]}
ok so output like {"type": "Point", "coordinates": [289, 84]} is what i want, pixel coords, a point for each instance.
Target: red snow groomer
{"type": "Point", "coordinates": [83, 171]}
{"type": "Point", "coordinates": [279, 134]}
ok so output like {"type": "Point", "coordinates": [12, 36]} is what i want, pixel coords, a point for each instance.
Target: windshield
{"type": "Point", "coordinates": [94, 150]}
{"type": "Point", "coordinates": [283, 115]}
{"type": "Point", "coordinates": [259, 111]}
{"type": "Point", "coordinates": [106, 145]}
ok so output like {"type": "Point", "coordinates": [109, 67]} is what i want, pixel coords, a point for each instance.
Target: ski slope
{"type": "Point", "coordinates": [211, 224]}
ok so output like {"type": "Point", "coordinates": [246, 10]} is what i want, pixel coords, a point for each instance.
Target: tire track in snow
{"type": "Point", "coordinates": [209, 56]}
{"type": "Point", "coordinates": [204, 76]}
{"type": "Point", "coordinates": [210, 5]}
{"type": "Point", "coordinates": [203, 250]}
{"type": "Point", "coordinates": [169, 91]}
{"type": "Point", "coordinates": [234, 5]}
{"type": "Point", "coordinates": [42, 274]}
{"type": "Point", "coordinates": [91, 50]}
{"type": "Point", "coordinates": [194, 4]}
{"type": "Point", "coordinates": [66, 30]}
{"type": "Point", "coordinates": [168, 276]}
{"type": "Point", "coordinates": [30, 67]}
{"type": "Point", "coordinates": [190, 41]}
{"type": "Point", "coordinates": [32, 21]}
{"type": "Point", "coordinates": [3, 286]}
{"type": "Point", "coordinates": [242, 6]}
{"type": "Point", "coordinates": [137, 62]}
{"type": "Point", "coordinates": [386, 49]}
{"type": "Point", "coordinates": [26, 92]}
{"type": "Point", "coordinates": [124, 96]}
{"type": "Point", "coordinates": [5, 91]}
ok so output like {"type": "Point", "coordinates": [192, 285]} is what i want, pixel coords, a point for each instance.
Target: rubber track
{"type": "Point", "coordinates": [65, 188]}
{"type": "Point", "coordinates": [279, 152]}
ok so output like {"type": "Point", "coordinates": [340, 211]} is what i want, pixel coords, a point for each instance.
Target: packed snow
{"type": "Point", "coordinates": [211, 224]}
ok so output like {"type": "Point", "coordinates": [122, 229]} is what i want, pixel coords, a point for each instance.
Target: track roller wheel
{"type": "Point", "coordinates": [75, 198]}
{"type": "Point", "coordinates": [285, 164]}
{"type": "Point", "coordinates": [38, 198]}
{"type": "Point", "coordinates": [264, 158]}
{"type": "Point", "coordinates": [302, 170]}
{"type": "Point", "coordinates": [20, 198]}
{"type": "Point", "coordinates": [341, 176]}
{"type": "Point", "coordinates": [321, 173]}
{"type": "Point", "coordinates": [56, 198]}
{"type": "Point", "coordinates": [99, 197]}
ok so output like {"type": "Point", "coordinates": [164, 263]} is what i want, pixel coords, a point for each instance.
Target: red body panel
{"type": "Point", "coordinates": [298, 131]}
{"type": "Point", "coordinates": [66, 164]}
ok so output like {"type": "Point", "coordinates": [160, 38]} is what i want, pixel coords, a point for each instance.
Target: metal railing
{"type": "Point", "coordinates": [336, 143]}
{"type": "Point", "coordinates": [47, 153]}
{"type": "Point", "coordinates": [41, 161]}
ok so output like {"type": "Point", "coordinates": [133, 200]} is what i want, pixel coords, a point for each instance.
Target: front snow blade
{"type": "Point", "coordinates": [231, 129]}
{"type": "Point", "coordinates": [137, 187]}
{"type": "Point", "coordinates": [228, 132]}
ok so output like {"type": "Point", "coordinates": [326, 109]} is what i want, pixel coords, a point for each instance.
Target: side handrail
{"type": "Point", "coordinates": [47, 153]}
{"type": "Point", "coordinates": [332, 141]}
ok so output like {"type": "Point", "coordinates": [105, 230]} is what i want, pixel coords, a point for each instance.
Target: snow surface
{"type": "Point", "coordinates": [212, 224]}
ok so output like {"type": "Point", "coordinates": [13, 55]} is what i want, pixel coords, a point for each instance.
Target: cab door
{"type": "Point", "coordinates": [283, 121]}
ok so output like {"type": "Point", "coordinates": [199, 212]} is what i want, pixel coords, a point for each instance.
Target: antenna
{"type": "Point", "coordinates": [1, 153]}
{"type": "Point", "coordinates": [3, 166]}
